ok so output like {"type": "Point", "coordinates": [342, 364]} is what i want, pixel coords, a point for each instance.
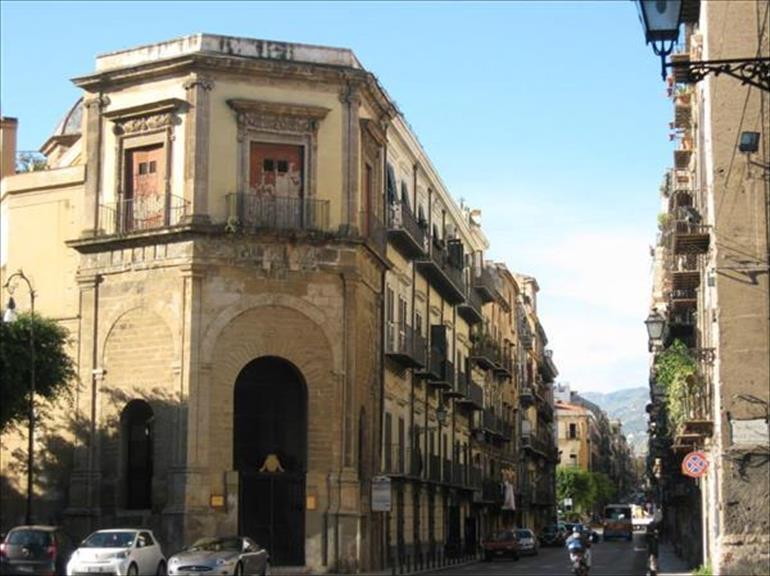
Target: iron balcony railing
{"type": "Point", "coordinates": [492, 491]}
{"type": "Point", "coordinates": [404, 345]}
{"type": "Point", "coordinates": [253, 212]}
{"type": "Point", "coordinates": [442, 273]}
{"type": "Point", "coordinates": [434, 468]}
{"type": "Point", "coordinates": [401, 461]}
{"type": "Point", "coordinates": [141, 214]}
{"type": "Point", "coordinates": [471, 309]}
{"type": "Point", "coordinates": [460, 474]}
{"type": "Point", "coordinates": [526, 396]}
{"type": "Point", "coordinates": [475, 478]}
{"type": "Point", "coordinates": [472, 394]}
{"type": "Point", "coordinates": [405, 232]}
{"type": "Point", "coordinates": [487, 284]}
{"type": "Point", "coordinates": [446, 471]}
{"type": "Point", "coordinates": [459, 386]}
{"type": "Point", "coordinates": [486, 352]}
{"type": "Point", "coordinates": [445, 378]}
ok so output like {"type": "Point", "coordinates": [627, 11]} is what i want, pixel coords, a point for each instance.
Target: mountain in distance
{"type": "Point", "coordinates": [626, 405]}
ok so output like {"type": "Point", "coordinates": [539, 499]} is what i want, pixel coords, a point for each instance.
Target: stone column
{"type": "Point", "coordinates": [196, 146]}
{"type": "Point", "coordinates": [94, 106]}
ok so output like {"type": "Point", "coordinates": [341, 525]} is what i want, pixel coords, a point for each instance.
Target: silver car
{"type": "Point", "coordinates": [232, 555]}
{"type": "Point", "coordinates": [527, 541]}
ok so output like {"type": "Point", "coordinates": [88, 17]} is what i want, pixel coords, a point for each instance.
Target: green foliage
{"type": "Point", "coordinates": [663, 220]}
{"type": "Point", "coordinates": [30, 162]}
{"type": "Point", "coordinates": [54, 369]}
{"type": "Point", "coordinates": [603, 488]}
{"type": "Point", "coordinates": [703, 570]}
{"type": "Point", "coordinates": [576, 484]}
{"type": "Point", "coordinates": [676, 371]}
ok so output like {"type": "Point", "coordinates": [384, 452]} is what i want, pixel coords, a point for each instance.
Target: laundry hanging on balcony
{"type": "Point", "coordinates": [509, 499]}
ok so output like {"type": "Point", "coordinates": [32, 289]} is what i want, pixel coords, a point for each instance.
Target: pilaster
{"type": "Point", "coordinates": [94, 106]}
{"type": "Point", "coordinates": [196, 146]}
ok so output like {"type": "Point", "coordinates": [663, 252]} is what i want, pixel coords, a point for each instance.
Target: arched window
{"type": "Point", "coordinates": [136, 431]}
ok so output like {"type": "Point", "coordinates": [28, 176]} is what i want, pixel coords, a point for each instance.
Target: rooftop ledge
{"type": "Point", "coordinates": [227, 46]}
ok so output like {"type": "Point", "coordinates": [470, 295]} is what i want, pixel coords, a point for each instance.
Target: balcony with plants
{"type": "Point", "coordinates": [485, 351]}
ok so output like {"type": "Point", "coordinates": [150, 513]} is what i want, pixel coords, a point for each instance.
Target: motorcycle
{"type": "Point", "coordinates": [579, 563]}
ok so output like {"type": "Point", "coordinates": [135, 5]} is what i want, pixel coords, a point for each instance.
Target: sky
{"type": "Point", "coordinates": [550, 117]}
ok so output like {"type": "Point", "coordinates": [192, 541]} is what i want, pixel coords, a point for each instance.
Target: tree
{"type": "Point", "coordinates": [54, 369]}
{"type": "Point", "coordinates": [30, 162]}
{"type": "Point", "coordinates": [576, 484]}
{"type": "Point", "coordinates": [603, 488]}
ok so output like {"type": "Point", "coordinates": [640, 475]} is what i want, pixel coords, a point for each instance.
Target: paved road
{"type": "Point", "coordinates": [614, 558]}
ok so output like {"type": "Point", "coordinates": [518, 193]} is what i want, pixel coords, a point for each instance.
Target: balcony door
{"type": "Point", "coordinates": [276, 178]}
{"type": "Point", "coordinates": [144, 205]}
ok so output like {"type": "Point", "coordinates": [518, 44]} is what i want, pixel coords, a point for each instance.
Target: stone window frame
{"type": "Point", "coordinates": [150, 124]}
{"type": "Point", "coordinates": [278, 123]}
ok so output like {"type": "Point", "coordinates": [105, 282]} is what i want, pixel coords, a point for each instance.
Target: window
{"type": "Point", "coordinates": [573, 431]}
{"type": "Point", "coordinates": [418, 323]}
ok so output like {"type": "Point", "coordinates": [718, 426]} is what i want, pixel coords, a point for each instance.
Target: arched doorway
{"type": "Point", "coordinates": [136, 431]}
{"type": "Point", "coordinates": [270, 454]}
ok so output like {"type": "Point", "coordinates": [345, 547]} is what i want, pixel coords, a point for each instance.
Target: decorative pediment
{"type": "Point", "coordinates": [146, 117]}
{"type": "Point", "coordinates": [277, 117]}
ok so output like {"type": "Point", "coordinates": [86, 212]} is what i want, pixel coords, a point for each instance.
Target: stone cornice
{"type": "Point", "coordinates": [143, 110]}
{"type": "Point", "coordinates": [264, 107]}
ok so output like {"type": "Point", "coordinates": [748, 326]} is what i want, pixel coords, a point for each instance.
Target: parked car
{"type": "Point", "coordinates": [231, 555]}
{"type": "Point", "coordinates": [552, 535]}
{"type": "Point", "coordinates": [503, 543]}
{"type": "Point", "coordinates": [527, 541]}
{"type": "Point", "coordinates": [118, 551]}
{"type": "Point", "coordinates": [35, 550]}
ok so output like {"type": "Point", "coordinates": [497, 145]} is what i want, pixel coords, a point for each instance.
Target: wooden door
{"type": "Point", "coordinates": [144, 205]}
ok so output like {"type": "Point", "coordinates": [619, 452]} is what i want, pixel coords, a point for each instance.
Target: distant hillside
{"type": "Point", "coordinates": [628, 406]}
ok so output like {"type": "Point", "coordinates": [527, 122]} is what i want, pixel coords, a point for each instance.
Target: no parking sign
{"type": "Point", "coordinates": [695, 464]}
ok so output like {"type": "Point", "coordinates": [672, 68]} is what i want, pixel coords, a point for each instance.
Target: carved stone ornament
{"type": "Point", "coordinates": [145, 123]}
{"type": "Point", "coordinates": [276, 117]}
{"type": "Point", "coordinates": [205, 83]}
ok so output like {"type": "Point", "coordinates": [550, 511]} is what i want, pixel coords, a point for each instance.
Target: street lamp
{"type": "Point", "coordinates": [656, 325]}
{"type": "Point", "coordinates": [661, 20]}
{"type": "Point", "coordinates": [10, 316]}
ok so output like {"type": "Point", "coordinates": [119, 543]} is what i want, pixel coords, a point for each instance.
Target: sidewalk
{"type": "Point", "coordinates": [669, 564]}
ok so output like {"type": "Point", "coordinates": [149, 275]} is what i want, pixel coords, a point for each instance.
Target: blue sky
{"type": "Point", "coordinates": [550, 117]}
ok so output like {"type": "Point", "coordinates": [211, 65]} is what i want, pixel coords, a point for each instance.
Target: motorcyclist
{"type": "Point", "coordinates": [579, 542]}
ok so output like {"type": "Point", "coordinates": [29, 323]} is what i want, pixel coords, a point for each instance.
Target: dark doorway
{"type": "Point", "coordinates": [270, 454]}
{"type": "Point", "coordinates": [136, 426]}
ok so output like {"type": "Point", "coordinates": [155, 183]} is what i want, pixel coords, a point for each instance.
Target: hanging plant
{"type": "Point", "coordinates": [677, 372]}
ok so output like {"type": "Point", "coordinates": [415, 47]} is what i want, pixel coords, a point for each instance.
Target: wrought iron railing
{"type": "Point", "coordinates": [255, 212]}
{"type": "Point", "coordinates": [405, 340]}
{"type": "Point", "coordinates": [401, 461]}
{"type": "Point", "coordinates": [143, 213]}
{"type": "Point", "coordinates": [401, 217]}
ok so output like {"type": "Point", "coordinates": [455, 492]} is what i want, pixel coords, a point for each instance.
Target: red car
{"type": "Point", "coordinates": [503, 543]}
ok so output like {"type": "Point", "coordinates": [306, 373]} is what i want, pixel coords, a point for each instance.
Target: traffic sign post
{"type": "Point", "coordinates": [695, 464]}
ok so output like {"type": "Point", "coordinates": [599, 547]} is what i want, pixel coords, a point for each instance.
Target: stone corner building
{"type": "Point", "coordinates": [265, 280]}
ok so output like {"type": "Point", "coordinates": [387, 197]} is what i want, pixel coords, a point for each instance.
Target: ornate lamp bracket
{"type": "Point", "coordinates": [753, 71]}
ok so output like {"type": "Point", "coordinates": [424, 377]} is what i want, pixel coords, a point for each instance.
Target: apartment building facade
{"type": "Point", "coordinates": [711, 285]}
{"type": "Point", "coordinates": [273, 302]}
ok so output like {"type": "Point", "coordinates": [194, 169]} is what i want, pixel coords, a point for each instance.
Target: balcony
{"type": "Point", "coordinates": [683, 299]}
{"type": "Point", "coordinates": [486, 285]}
{"type": "Point", "coordinates": [402, 462]}
{"type": "Point", "coordinates": [504, 367]}
{"type": "Point", "coordinates": [470, 309]}
{"type": "Point", "coordinates": [473, 395]}
{"type": "Point", "coordinates": [405, 346]}
{"type": "Point", "coordinates": [682, 159]}
{"type": "Point", "coordinates": [459, 387]}
{"type": "Point", "coordinates": [485, 352]}
{"type": "Point", "coordinates": [142, 214]}
{"type": "Point", "coordinates": [251, 212]}
{"type": "Point", "coordinates": [682, 111]}
{"type": "Point", "coordinates": [526, 396]}
{"type": "Point", "coordinates": [689, 236]}
{"type": "Point", "coordinates": [446, 471]}
{"type": "Point", "coordinates": [685, 273]}
{"type": "Point", "coordinates": [405, 232]}
{"type": "Point", "coordinates": [442, 273]}
{"type": "Point", "coordinates": [444, 379]}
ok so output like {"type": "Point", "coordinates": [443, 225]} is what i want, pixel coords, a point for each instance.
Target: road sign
{"type": "Point", "coordinates": [695, 464]}
{"type": "Point", "coordinates": [380, 494]}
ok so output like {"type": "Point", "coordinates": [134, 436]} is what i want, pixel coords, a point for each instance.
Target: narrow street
{"type": "Point", "coordinates": [614, 558]}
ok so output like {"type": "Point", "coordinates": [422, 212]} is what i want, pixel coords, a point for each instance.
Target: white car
{"type": "Point", "coordinates": [118, 552]}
